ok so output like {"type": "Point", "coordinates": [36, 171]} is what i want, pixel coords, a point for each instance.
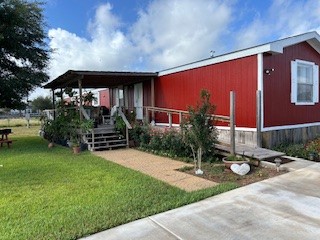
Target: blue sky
{"type": "Point", "coordinates": [151, 35]}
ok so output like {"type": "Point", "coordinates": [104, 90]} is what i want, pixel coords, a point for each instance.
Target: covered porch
{"type": "Point", "coordinates": [128, 92]}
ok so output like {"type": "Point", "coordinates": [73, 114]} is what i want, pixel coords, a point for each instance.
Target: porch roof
{"type": "Point", "coordinates": [98, 79]}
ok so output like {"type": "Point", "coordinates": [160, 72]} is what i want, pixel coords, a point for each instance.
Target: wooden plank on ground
{"type": "Point", "coordinates": [249, 151]}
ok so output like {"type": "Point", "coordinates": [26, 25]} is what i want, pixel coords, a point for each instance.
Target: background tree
{"type": "Point", "coordinates": [41, 103]}
{"type": "Point", "coordinates": [198, 129]}
{"type": "Point", "coordinates": [24, 53]}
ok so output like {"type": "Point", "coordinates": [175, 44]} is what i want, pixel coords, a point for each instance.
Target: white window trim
{"type": "Point", "coordinates": [294, 84]}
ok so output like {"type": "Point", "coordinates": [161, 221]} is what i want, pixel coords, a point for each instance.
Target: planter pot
{"type": "Point", "coordinates": [50, 145]}
{"type": "Point", "coordinates": [255, 162]}
{"type": "Point", "coordinates": [76, 150]}
{"type": "Point", "coordinates": [131, 143]}
{"type": "Point", "coordinates": [83, 147]}
{"type": "Point", "coordinates": [228, 163]}
{"type": "Point", "coordinates": [314, 157]}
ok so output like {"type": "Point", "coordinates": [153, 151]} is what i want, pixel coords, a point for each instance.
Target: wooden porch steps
{"type": "Point", "coordinates": [104, 137]}
{"type": "Point", "coordinates": [249, 151]}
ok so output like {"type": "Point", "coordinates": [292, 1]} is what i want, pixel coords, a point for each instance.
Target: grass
{"type": "Point", "coordinates": [18, 122]}
{"type": "Point", "coordinates": [53, 194]}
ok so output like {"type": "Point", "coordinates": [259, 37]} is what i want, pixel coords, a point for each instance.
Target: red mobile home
{"type": "Point", "coordinates": [286, 74]}
{"type": "Point", "coordinates": [276, 86]}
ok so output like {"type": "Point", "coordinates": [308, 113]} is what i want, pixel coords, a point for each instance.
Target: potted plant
{"type": "Point", "coordinates": [75, 131]}
{"type": "Point", "coordinates": [312, 148]}
{"type": "Point", "coordinates": [75, 143]}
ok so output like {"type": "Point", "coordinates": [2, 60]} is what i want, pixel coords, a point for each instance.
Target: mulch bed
{"type": "Point", "coordinates": [217, 172]}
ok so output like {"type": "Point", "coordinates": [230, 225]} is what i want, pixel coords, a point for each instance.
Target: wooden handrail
{"type": "Point", "coordinates": [84, 113]}
{"type": "Point", "coordinates": [175, 111]}
{"type": "Point", "coordinates": [121, 114]}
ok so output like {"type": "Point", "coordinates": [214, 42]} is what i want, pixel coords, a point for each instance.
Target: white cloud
{"type": "Point", "coordinates": [107, 49]}
{"type": "Point", "coordinates": [172, 32]}
{"type": "Point", "coordinates": [168, 33]}
{"type": "Point", "coordinates": [283, 18]}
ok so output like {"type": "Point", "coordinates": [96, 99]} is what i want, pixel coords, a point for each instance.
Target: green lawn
{"type": "Point", "coordinates": [53, 194]}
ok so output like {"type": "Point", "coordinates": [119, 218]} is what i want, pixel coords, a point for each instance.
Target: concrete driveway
{"type": "Point", "coordinates": [284, 207]}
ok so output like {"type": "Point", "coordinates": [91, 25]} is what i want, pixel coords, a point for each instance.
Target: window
{"type": "Point", "coordinates": [304, 82]}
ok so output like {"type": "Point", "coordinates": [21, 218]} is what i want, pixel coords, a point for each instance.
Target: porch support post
{"type": "Point", "coordinates": [61, 94]}
{"type": "Point", "coordinates": [258, 119]}
{"type": "Point", "coordinates": [232, 124]}
{"type": "Point", "coordinates": [147, 115]}
{"type": "Point", "coordinates": [54, 104]}
{"type": "Point", "coordinates": [180, 117]}
{"type": "Point", "coordinates": [127, 136]}
{"type": "Point", "coordinates": [152, 99]}
{"type": "Point", "coordinates": [170, 120]}
{"type": "Point", "coordinates": [80, 98]}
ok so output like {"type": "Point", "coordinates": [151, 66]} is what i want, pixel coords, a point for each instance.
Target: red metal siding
{"type": "Point", "coordinates": [180, 90]}
{"type": "Point", "coordinates": [130, 97]}
{"type": "Point", "coordinates": [146, 93]}
{"type": "Point", "coordinates": [104, 98]}
{"type": "Point", "coordinates": [113, 97]}
{"type": "Point", "coordinates": [278, 109]}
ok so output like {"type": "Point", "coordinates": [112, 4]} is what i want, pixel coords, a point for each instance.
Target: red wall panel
{"type": "Point", "coordinates": [146, 93]}
{"type": "Point", "coordinates": [278, 109]}
{"type": "Point", "coordinates": [104, 98]}
{"type": "Point", "coordinates": [182, 89]}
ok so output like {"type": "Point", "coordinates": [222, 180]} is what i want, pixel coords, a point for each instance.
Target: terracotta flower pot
{"type": "Point", "coordinates": [228, 163]}
{"type": "Point", "coordinates": [76, 150]}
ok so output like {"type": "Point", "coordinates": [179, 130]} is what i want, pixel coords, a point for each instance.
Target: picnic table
{"type": "Point", "coordinates": [4, 137]}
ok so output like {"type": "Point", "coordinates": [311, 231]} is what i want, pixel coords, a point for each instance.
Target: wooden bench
{"type": "Point", "coordinates": [8, 142]}
{"type": "Point", "coordinates": [4, 137]}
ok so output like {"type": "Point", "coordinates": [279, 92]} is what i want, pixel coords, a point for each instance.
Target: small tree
{"type": "Point", "coordinates": [198, 130]}
{"type": "Point", "coordinates": [41, 103]}
{"type": "Point", "coordinates": [24, 52]}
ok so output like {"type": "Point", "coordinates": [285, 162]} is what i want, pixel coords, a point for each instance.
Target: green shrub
{"type": "Point", "coordinates": [144, 137]}
{"type": "Point", "coordinates": [167, 143]}
{"type": "Point", "coordinates": [293, 150]}
{"type": "Point", "coordinates": [156, 142]}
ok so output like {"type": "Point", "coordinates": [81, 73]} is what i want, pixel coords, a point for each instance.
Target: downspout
{"type": "Point", "coordinates": [259, 100]}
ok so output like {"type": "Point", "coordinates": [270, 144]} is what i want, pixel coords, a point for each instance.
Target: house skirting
{"type": "Point", "coordinates": [270, 138]}
{"type": "Point", "coordinates": [293, 135]}
{"type": "Point", "coordinates": [246, 136]}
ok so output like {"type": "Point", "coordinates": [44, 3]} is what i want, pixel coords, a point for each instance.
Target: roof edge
{"type": "Point", "coordinates": [274, 47]}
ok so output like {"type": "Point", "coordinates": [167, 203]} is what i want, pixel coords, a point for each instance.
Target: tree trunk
{"type": "Point", "coordinates": [199, 156]}
{"type": "Point", "coordinates": [194, 157]}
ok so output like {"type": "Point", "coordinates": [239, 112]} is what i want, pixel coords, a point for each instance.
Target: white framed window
{"type": "Point", "coordinates": [304, 82]}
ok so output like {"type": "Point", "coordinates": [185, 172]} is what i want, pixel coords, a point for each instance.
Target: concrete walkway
{"type": "Point", "coordinates": [284, 207]}
{"type": "Point", "coordinates": [162, 168]}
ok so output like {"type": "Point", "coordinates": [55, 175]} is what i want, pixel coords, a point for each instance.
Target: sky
{"type": "Point", "coordinates": [152, 35]}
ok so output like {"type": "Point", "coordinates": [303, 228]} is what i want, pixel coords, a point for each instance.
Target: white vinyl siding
{"type": "Point", "coordinates": [304, 82]}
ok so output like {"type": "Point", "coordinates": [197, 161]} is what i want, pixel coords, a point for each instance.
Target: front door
{"type": "Point", "coordinates": [138, 100]}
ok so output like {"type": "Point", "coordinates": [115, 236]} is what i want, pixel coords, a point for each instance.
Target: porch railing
{"type": "Point", "coordinates": [181, 113]}
{"type": "Point", "coordinates": [128, 125]}
{"type": "Point", "coordinates": [228, 119]}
